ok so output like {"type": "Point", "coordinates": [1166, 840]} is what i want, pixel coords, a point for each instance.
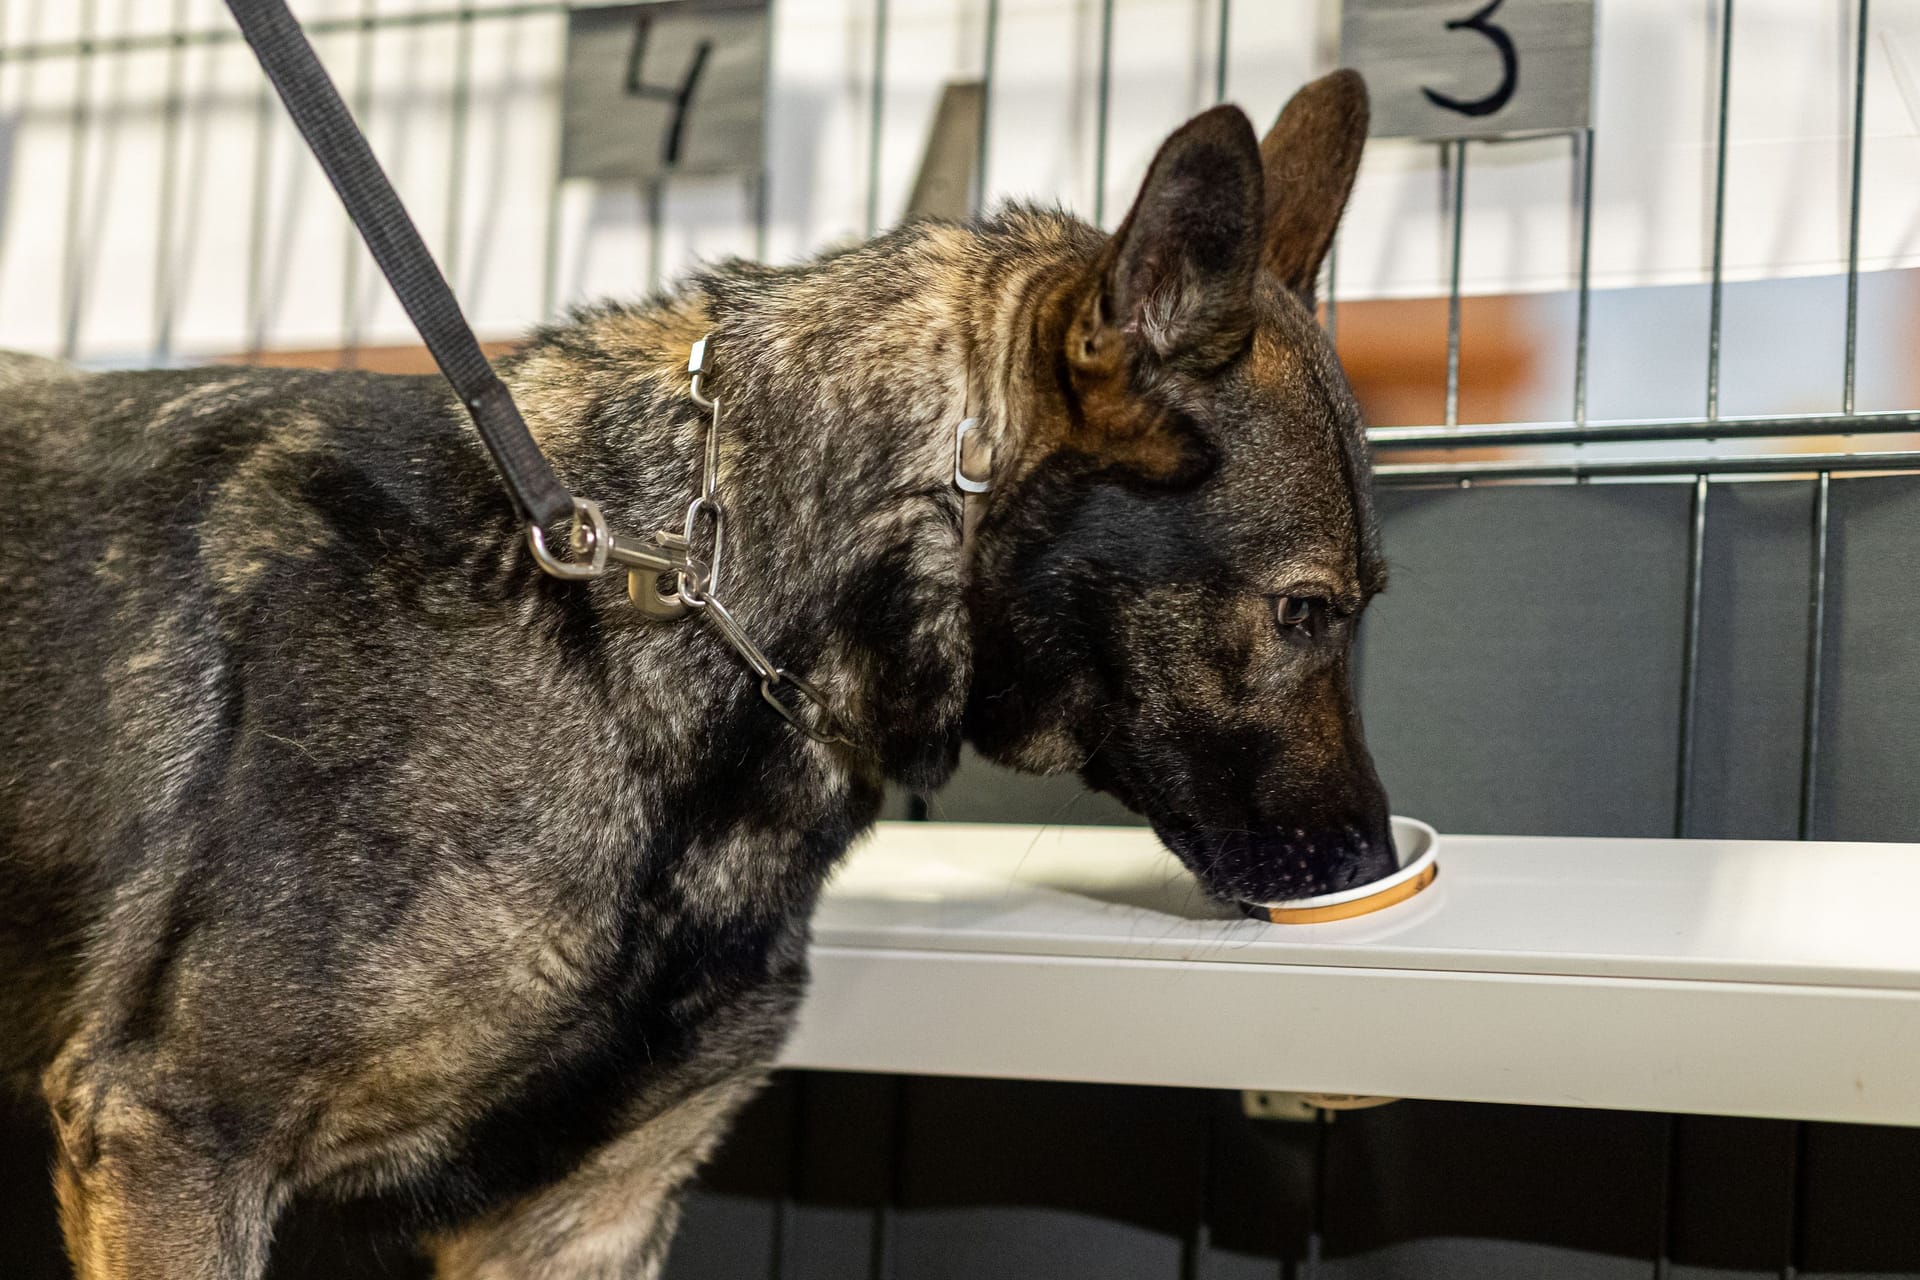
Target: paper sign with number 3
{"type": "Point", "coordinates": [1457, 69]}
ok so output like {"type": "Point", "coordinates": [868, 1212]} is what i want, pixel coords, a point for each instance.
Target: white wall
{"type": "Point", "coordinates": [255, 252]}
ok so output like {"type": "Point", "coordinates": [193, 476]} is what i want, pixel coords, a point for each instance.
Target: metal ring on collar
{"type": "Point", "coordinates": [589, 536]}
{"type": "Point", "coordinates": [961, 480]}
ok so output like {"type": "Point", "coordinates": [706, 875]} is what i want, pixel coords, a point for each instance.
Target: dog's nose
{"type": "Point", "coordinates": [1304, 862]}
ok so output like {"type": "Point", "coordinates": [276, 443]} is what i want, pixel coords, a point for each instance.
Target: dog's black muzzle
{"type": "Point", "coordinates": [1282, 865]}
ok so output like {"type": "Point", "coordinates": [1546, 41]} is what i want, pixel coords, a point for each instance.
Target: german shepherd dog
{"type": "Point", "coordinates": [345, 854]}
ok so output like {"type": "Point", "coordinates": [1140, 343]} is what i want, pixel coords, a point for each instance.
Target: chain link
{"type": "Point", "coordinates": [699, 586]}
{"type": "Point", "coordinates": [596, 550]}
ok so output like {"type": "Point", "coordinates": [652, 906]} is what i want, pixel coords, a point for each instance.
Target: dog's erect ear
{"type": "Point", "coordinates": [1177, 279]}
{"type": "Point", "coordinates": [1311, 155]}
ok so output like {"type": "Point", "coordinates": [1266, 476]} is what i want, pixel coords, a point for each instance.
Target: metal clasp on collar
{"type": "Point", "coordinates": [592, 546]}
{"type": "Point", "coordinates": [972, 467]}
{"type": "Point", "coordinates": [596, 549]}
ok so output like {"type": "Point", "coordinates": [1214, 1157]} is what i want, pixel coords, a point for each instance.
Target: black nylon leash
{"type": "Point", "coordinates": [370, 200]}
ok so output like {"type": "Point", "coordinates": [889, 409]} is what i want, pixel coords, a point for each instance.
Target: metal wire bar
{"type": "Point", "coordinates": [263, 121]}
{"type": "Point", "coordinates": [171, 114]}
{"type": "Point", "coordinates": [982, 144]}
{"type": "Point", "coordinates": [459, 110]}
{"type": "Point", "coordinates": [1453, 281]}
{"type": "Point", "coordinates": [1196, 1243]}
{"type": "Point", "coordinates": [1628, 430]}
{"type": "Point", "coordinates": [757, 187]}
{"type": "Point", "coordinates": [1690, 658]}
{"type": "Point", "coordinates": [1719, 212]}
{"type": "Point", "coordinates": [880, 1258]}
{"type": "Point", "coordinates": [787, 1204]}
{"type": "Point", "coordinates": [1737, 465]}
{"type": "Point", "coordinates": [876, 108]}
{"type": "Point", "coordinates": [1584, 140]}
{"type": "Point", "coordinates": [1333, 295]}
{"type": "Point", "coordinates": [1669, 1197]}
{"type": "Point", "coordinates": [1853, 215]}
{"type": "Point", "coordinates": [1796, 1224]}
{"type": "Point", "coordinates": [655, 196]}
{"type": "Point", "coordinates": [550, 245]}
{"type": "Point", "coordinates": [91, 46]}
{"type": "Point", "coordinates": [1102, 109]}
{"type": "Point", "coordinates": [1816, 656]}
{"type": "Point", "coordinates": [1220, 54]}
{"type": "Point", "coordinates": [32, 26]}
{"type": "Point", "coordinates": [72, 269]}
{"type": "Point", "coordinates": [1317, 1208]}
{"type": "Point", "coordinates": [361, 96]}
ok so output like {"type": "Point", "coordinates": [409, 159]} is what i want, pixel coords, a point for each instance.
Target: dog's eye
{"type": "Point", "coordinates": [1295, 613]}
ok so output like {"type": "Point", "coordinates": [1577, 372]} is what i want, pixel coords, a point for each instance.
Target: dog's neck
{"type": "Point", "coordinates": [842, 382]}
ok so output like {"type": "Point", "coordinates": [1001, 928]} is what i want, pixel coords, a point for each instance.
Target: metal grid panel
{"type": "Point", "coordinates": [87, 48]}
{"type": "Point", "coordinates": [94, 56]}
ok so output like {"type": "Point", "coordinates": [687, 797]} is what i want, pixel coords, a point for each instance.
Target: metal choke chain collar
{"type": "Point", "coordinates": [597, 551]}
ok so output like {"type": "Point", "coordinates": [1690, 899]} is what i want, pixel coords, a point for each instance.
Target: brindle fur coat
{"type": "Point", "coordinates": [344, 853]}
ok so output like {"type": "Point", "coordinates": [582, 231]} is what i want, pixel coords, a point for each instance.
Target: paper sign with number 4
{"type": "Point", "coordinates": [1472, 68]}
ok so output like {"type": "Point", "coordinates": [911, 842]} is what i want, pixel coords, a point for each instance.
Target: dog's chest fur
{"type": "Point", "coordinates": [419, 866]}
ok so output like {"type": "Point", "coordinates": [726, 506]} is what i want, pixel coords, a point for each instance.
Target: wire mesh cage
{"type": "Point", "coordinates": [158, 208]}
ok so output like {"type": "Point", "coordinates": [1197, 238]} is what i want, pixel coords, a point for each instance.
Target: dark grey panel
{"type": "Point", "coordinates": [725, 1237]}
{"type": "Point", "coordinates": [984, 792]}
{"type": "Point", "coordinates": [1753, 661]}
{"type": "Point", "coordinates": [1261, 1183]}
{"type": "Point", "coordinates": [1522, 672]}
{"type": "Point", "coordinates": [898, 805]}
{"type": "Point", "coordinates": [1860, 1203]}
{"type": "Point", "coordinates": [843, 1177]}
{"type": "Point", "coordinates": [1473, 1258]}
{"type": "Point", "coordinates": [29, 1229]}
{"type": "Point", "coordinates": [1020, 1241]}
{"type": "Point", "coordinates": [832, 1242]}
{"type": "Point", "coordinates": [1441, 1190]}
{"type": "Point", "coordinates": [731, 1229]}
{"type": "Point", "coordinates": [1732, 1198]}
{"type": "Point", "coordinates": [1007, 1179]}
{"type": "Point", "coordinates": [1870, 753]}
{"type": "Point", "coordinates": [1223, 1264]}
{"type": "Point", "coordinates": [331, 1242]}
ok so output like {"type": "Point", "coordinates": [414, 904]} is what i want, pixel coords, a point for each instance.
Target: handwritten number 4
{"type": "Point", "coordinates": [1482, 22]}
{"type": "Point", "coordinates": [679, 96]}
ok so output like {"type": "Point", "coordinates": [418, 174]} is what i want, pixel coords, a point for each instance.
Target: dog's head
{"type": "Point", "coordinates": [1174, 563]}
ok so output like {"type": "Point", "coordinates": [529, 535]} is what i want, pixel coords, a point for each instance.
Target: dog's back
{"type": "Point", "coordinates": [157, 528]}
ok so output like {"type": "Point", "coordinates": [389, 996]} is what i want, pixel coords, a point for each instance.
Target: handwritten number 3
{"type": "Point", "coordinates": [1509, 65]}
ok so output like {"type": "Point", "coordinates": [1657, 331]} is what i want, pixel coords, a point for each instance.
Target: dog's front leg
{"type": "Point", "coordinates": [147, 1191]}
{"type": "Point", "coordinates": [614, 1215]}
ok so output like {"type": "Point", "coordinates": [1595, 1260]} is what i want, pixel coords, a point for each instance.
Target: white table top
{"type": "Point", "coordinates": [1723, 910]}
{"type": "Point", "coordinates": [1722, 977]}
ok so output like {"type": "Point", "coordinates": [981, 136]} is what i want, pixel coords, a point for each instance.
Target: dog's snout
{"type": "Point", "coordinates": [1306, 861]}
{"type": "Point", "coordinates": [1291, 862]}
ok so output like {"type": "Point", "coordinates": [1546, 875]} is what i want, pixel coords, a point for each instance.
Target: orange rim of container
{"type": "Point", "coordinates": [1358, 907]}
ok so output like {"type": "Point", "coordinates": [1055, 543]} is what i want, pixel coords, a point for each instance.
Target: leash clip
{"type": "Point", "coordinates": [594, 551]}
{"type": "Point", "coordinates": [589, 537]}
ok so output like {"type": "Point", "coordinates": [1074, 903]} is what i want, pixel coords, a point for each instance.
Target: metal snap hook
{"type": "Point", "coordinates": [588, 536]}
